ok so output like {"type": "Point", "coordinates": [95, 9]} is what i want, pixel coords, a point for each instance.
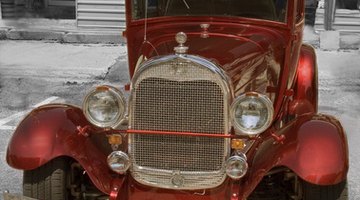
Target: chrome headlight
{"type": "Point", "coordinates": [119, 162]}
{"type": "Point", "coordinates": [236, 166]}
{"type": "Point", "coordinates": [104, 106]}
{"type": "Point", "coordinates": [252, 113]}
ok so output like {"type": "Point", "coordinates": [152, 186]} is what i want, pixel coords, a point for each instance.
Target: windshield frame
{"type": "Point", "coordinates": [288, 20]}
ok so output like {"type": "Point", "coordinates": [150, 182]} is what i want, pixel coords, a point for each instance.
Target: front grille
{"type": "Point", "coordinates": [165, 102]}
{"type": "Point", "coordinates": [192, 106]}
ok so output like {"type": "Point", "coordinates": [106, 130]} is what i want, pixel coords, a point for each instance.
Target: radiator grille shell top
{"type": "Point", "coordinates": [181, 94]}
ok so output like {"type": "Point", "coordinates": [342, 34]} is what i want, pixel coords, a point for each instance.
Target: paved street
{"type": "Point", "coordinates": [32, 73]}
{"type": "Point", "coordinates": [339, 95]}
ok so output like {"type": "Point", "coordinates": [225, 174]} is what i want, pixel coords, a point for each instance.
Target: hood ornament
{"type": "Point", "coordinates": [181, 38]}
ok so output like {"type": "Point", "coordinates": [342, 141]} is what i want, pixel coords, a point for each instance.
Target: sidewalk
{"type": "Point", "coordinates": [320, 38]}
{"type": "Point", "coordinates": [65, 31]}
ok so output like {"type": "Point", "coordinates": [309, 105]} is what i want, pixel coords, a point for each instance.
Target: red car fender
{"type": "Point", "coordinates": [52, 131]}
{"type": "Point", "coordinates": [315, 148]}
{"type": "Point", "coordinates": [305, 99]}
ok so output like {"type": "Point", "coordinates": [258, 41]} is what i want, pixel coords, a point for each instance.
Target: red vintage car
{"type": "Point", "coordinates": [223, 104]}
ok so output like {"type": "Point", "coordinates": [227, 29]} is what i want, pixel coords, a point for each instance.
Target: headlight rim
{"type": "Point", "coordinates": [123, 156]}
{"type": "Point", "coordinates": [269, 105]}
{"type": "Point", "coordinates": [238, 157]}
{"type": "Point", "coordinates": [121, 102]}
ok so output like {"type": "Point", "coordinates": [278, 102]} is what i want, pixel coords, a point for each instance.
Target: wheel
{"type": "Point", "coordinates": [48, 181]}
{"type": "Point", "coordinates": [319, 192]}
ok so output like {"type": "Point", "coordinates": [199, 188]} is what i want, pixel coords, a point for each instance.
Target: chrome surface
{"type": "Point", "coordinates": [181, 38]}
{"type": "Point", "coordinates": [121, 103]}
{"type": "Point", "coordinates": [237, 166]}
{"type": "Point", "coordinates": [260, 97]}
{"type": "Point", "coordinates": [185, 94]}
{"type": "Point", "coordinates": [118, 161]}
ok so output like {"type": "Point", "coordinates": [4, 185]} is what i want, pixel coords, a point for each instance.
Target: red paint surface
{"type": "Point", "coordinates": [51, 131]}
{"type": "Point", "coordinates": [314, 147]}
{"type": "Point", "coordinates": [242, 50]}
{"type": "Point", "coordinates": [306, 85]}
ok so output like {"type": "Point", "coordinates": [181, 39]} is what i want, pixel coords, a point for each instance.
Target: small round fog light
{"type": "Point", "coordinates": [119, 162]}
{"type": "Point", "coordinates": [236, 167]}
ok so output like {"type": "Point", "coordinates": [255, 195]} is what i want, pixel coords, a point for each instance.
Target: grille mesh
{"type": "Point", "coordinates": [169, 104]}
{"type": "Point", "coordinates": [193, 106]}
{"type": "Point", "coordinates": [179, 153]}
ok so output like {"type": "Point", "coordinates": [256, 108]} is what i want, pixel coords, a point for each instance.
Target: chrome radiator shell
{"type": "Point", "coordinates": [180, 93]}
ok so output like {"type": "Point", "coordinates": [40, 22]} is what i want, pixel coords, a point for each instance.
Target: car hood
{"type": "Point", "coordinates": [252, 56]}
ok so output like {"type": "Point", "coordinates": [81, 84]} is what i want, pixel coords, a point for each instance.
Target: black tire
{"type": "Point", "coordinates": [47, 182]}
{"type": "Point", "coordinates": [319, 192]}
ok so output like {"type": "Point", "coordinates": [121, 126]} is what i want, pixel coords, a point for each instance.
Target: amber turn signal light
{"type": "Point", "coordinates": [115, 139]}
{"type": "Point", "coordinates": [237, 144]}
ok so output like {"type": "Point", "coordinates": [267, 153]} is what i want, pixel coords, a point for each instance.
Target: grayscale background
{"type": "Point", "coordinates": [61, 66]}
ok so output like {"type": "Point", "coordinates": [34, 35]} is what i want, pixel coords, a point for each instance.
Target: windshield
{"type": "Point", "coordinates": [274, 10]}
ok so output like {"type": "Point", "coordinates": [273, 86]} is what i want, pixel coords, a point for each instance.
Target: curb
{"type": "Point", "coordinates": [33, 35]}
{"type": "Point", "coordinates": [107, 38]}
{"type": "Point", "coordinates": [61, 36]}
{"type": "Point", "coordinates": [344, 40]}
{"type": "Point", "coordinates": [3, 33]}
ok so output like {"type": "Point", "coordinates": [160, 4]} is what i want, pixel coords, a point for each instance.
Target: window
{"type": "Point", "coordinates": [274, 10]}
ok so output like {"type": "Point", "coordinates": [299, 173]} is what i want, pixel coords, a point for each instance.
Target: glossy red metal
{"type": "Point", "coordinates": [313, 146]}
{"type": "Point", "coordinates": [117, 186]}
{"type": "Point", "coordinates": [302, 151]}
{"type": "Point", "coordinates": [52, 131]}
{"type": "Point", "coordinates": [305, 98]}
{"type": "Point", "coordinates": [320, 155]}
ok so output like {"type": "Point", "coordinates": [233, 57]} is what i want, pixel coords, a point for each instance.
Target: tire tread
{"type": "Point", "coordinates": [48, 181]}
{"type": "Point", "coordinates": [319, 192]}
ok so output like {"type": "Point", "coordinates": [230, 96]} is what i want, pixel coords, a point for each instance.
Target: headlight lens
{"type": "Point", "coordinates": [104, 106]}
{"type": "Point", "coordinates": [236, 166]}
{"type": "Point", "coordinates": [252, 113]}
{"type": "Point", "coordinates": [119, 162]}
